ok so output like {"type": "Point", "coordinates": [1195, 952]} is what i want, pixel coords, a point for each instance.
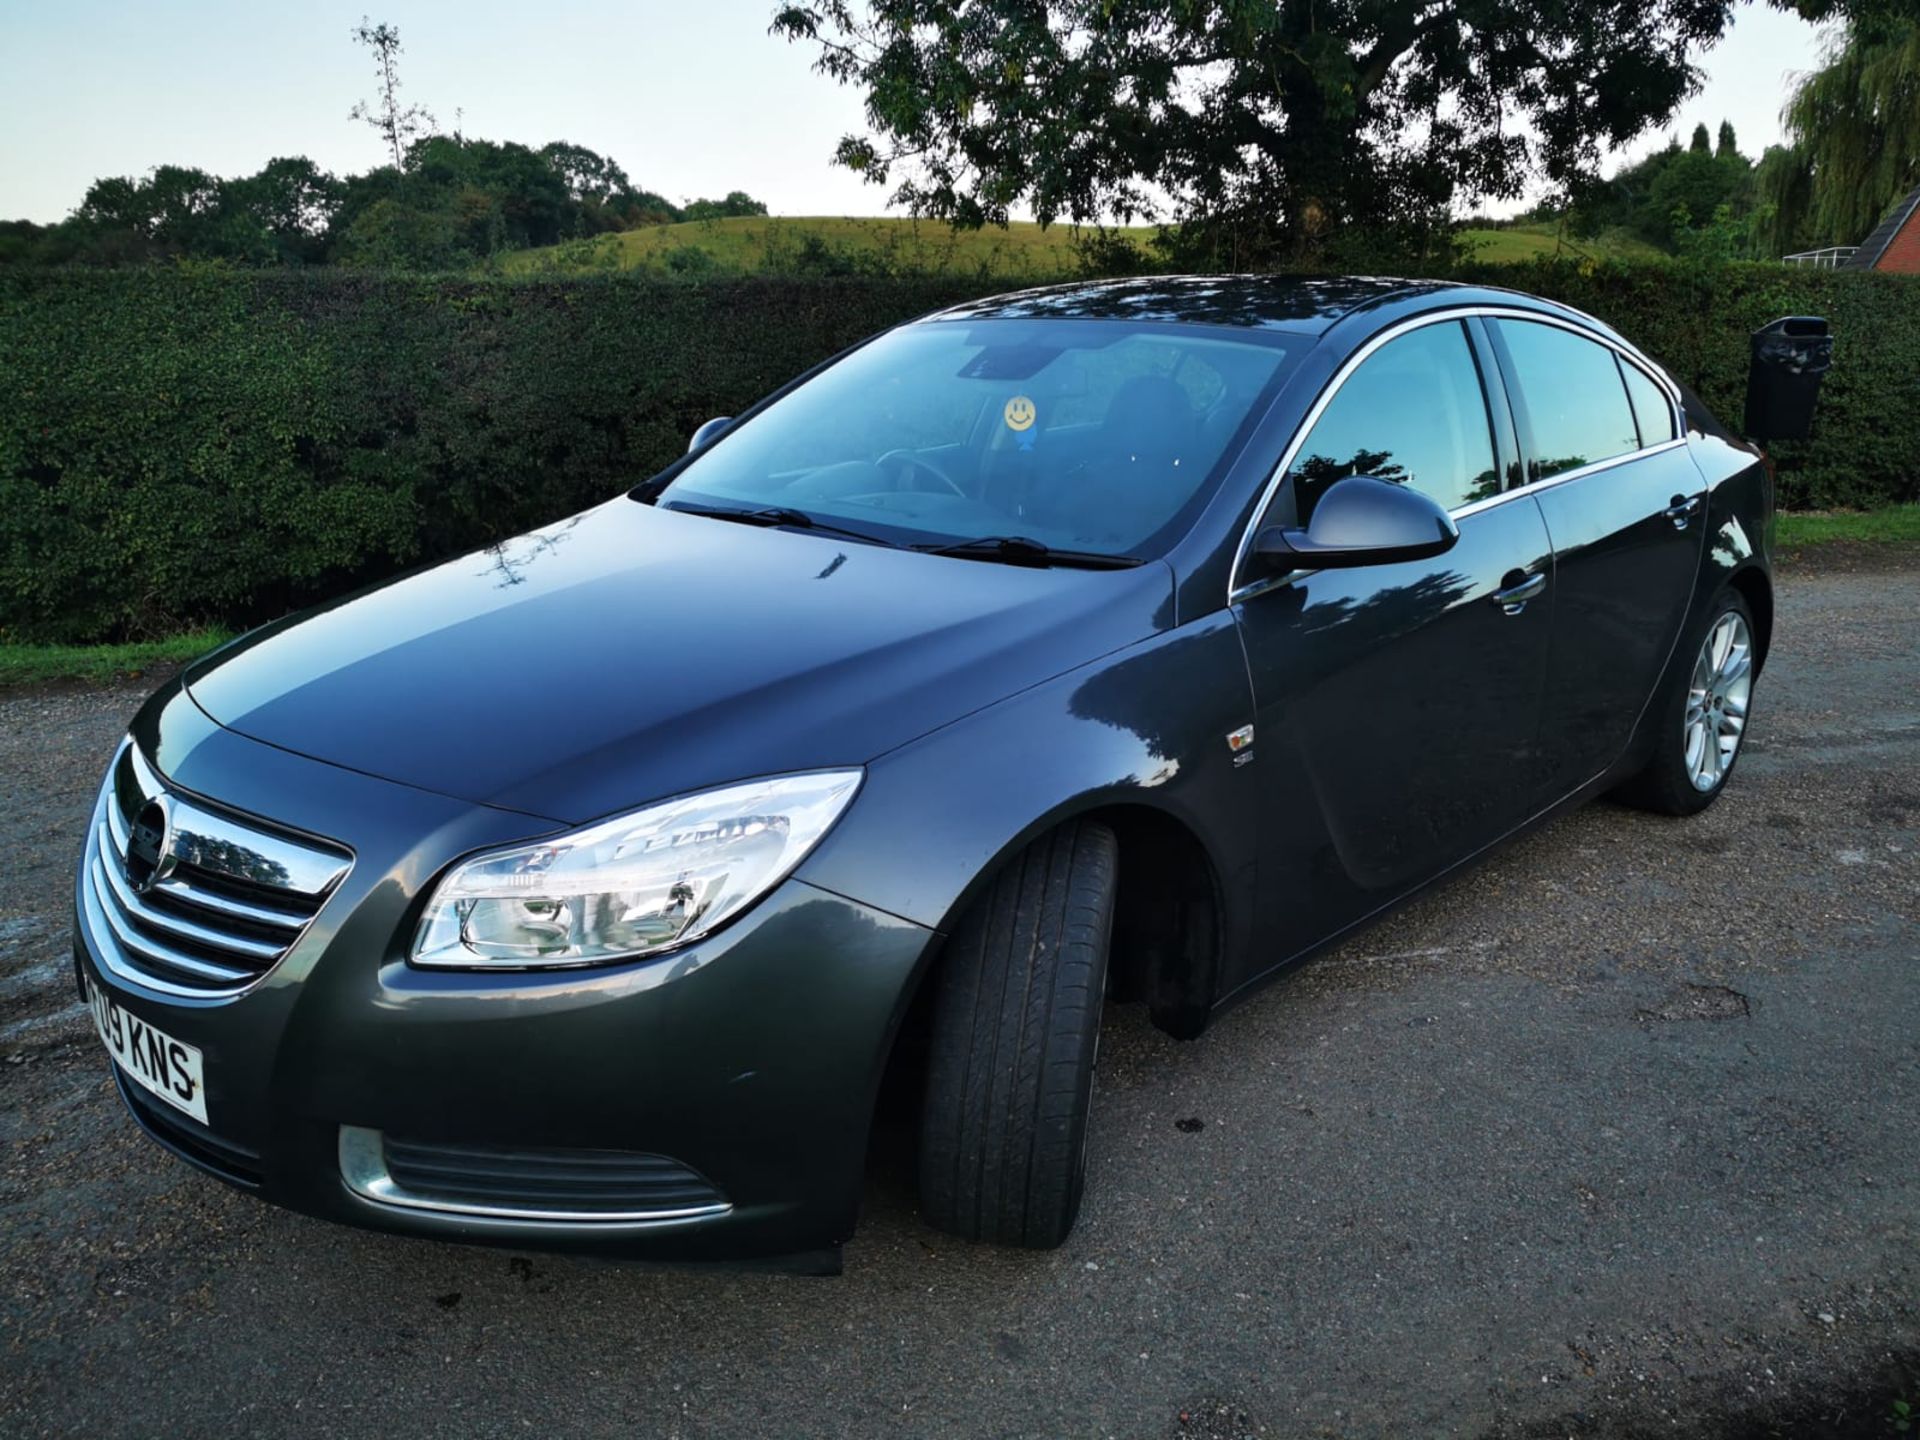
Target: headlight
{"type": "Point", "coordinates": [631, 886]}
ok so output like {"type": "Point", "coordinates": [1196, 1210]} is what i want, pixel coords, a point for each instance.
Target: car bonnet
{"type": "Point", "coordinates": [631, 653]}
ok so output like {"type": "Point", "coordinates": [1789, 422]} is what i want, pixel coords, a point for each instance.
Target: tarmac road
{"type": "Point", "coordinates": [1616, 1133]}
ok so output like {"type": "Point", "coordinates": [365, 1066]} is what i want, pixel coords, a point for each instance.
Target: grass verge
{"type": "Point", "coordinates": [39, 664]}
{"type": "Point", "coordinates": [1896, 523]}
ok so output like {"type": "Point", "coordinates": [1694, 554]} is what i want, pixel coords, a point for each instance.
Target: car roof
{"type": "Point", "coordinates": [1302, 304]}
{"type": "Point", "coordinates": [1294, 304]}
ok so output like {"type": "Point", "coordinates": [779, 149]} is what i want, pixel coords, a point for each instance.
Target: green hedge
{"type": "Point", "coordinates": [182, 446]}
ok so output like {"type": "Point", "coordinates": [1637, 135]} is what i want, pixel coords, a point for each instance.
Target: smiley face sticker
{"type": "Point", "coordinates": [1019, 414]}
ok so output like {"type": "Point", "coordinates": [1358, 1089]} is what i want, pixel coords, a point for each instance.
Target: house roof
{"type": "Point", "coordinates": [1875, 245]}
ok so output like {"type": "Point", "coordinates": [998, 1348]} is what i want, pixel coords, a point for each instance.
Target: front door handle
{"type": "Point", "coordinates": [1680, 510]}
{"type": "Point", "coordinates": [1517, 587]}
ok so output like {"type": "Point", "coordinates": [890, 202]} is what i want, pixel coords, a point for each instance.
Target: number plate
{"type": "Point", "coordinates": [164, 1067]}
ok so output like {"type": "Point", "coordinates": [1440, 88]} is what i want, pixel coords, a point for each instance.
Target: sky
{"type": "Point", "coordinates": [692, 97]}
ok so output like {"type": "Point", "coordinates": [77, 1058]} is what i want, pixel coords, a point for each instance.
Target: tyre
{"type": "Point", "coordinates": [1016, 1025]}
{"type": "Point", "coordinates": [1701, 715]}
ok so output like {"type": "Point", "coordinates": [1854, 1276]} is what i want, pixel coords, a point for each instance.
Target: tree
{"type": "Point", "coordinates": [1268, 124]}
{"type": "Point", "coordinates": [1854, 133]}
{"type": "Point", "coordinates": [293, 201]}
{"type": "Point", "coordinates": [399, 125]}
{"type": "Point", "coordinates": [590, 178]}
{"type": "Point", "coordinates": [737, 202]}
{"type": "Point", "coordinates": [176, 210]}
{"type": "Point", "coordinates": [1691, 187]}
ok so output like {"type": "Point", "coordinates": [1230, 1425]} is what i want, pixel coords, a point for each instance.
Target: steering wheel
{"type": "Point", "coordinates": [912, 461]}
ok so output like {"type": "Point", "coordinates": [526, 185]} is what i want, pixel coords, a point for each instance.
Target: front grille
{"type": "Point", "coordinates": [520, 1183]}
{"type": "Point", "coordinates": [189, 1139]}
{"type": "Point", "coordinates": [192, 900]}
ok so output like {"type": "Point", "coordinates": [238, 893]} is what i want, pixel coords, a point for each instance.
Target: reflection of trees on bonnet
{"type": "Point", "coordinates": [512, 557]}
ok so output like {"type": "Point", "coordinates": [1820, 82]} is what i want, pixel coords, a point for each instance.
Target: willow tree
{"type": "Point", "coordinates": [1263, 126]}
{"type": "Point", "coordinates": [1854, 130]}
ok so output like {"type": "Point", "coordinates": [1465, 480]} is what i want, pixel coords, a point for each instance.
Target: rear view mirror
{"type": "Point", "coordinates": [1361, 521]}
{"type": "Point", "coordinates": [709, 432]}
{"type": "Point", "coordinates": [1783, 376]}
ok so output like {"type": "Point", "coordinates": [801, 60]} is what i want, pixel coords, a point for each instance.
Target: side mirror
{"type": "Point", "coordinates": [709, 432]}
{"type": "Point", "coordinates": [1361, 521]}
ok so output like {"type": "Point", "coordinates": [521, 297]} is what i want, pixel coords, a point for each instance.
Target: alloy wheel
{"type": "Point", "coordinates": [1717, 700]}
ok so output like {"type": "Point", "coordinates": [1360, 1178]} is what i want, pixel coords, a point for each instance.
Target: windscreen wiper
{"type": "Point", "coordinates": [1019, 550]}
{"type": "Point", "coordinates": [775, 515]}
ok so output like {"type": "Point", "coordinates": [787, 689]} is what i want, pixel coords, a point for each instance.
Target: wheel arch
{"type": "Point", "coordinates": [1172, 920]}
{"type": "Point", "coordinates": [1754, 586]}
{"type": "Point", "coordinates": [1170, 910]}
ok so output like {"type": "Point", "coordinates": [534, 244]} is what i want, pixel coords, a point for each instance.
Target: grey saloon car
{"type": "Point", "coordinates": [1113, 643]}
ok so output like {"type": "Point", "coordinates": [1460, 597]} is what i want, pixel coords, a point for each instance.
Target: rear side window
{"type": "Point", "coordinates": [1412, 412]}
{"type": "Point", "coordinates": [1575, 401]}
{"type": "Point", "coordinates": [1650, 405]}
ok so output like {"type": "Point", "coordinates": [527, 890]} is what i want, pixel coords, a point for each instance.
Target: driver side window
{"type": "Point", "coordinates": [1414, 413]}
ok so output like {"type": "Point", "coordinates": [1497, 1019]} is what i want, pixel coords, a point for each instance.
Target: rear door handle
{"type": "Point", "coordinates": [1680, 510]}
{"type": "Point", "coordinates": [1517, 588]}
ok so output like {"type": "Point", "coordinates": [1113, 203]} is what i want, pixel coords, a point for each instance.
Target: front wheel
{"type": "Point", "coordinates": [1702, 716]}
{"type": "Point", "coordinates": [1016, 1024]}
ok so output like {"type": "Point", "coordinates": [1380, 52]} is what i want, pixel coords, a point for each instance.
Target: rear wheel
{"type": "Point", "coordinates": [1702, 716]}
{"type": "Point", "coordinates": [1016, 1025]}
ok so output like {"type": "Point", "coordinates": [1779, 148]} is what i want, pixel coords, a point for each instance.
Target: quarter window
{"type": "Point", "coordinates": [1575, 402]}
{"type": "Point", "coordinates": [1412, 412]}
{"type": "Point", "coordinates": [1650, 405]}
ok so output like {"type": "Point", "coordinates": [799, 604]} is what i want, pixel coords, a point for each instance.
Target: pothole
{"type": "Point", "coordinates": [1699, 1002]}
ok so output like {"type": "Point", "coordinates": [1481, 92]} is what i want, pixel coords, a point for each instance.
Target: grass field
{"type": "Point", "coordinates": [758, 245]}
{"type": "Point", "coordinates": [38, 664]}
{"type": "Point", "coordinates": [1511, 243]}
{"type": "Point", "coordinates": [746, 245]}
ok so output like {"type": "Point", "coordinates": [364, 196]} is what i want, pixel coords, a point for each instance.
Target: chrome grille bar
{"type": "Point", "coordinates": [187, 894]}
{"type": "Point", "coordinates": [131, 943]}
{"type": "Point", "coordinates": [210, 902]}
{"type": "Point", "coordinates": [170, 924]}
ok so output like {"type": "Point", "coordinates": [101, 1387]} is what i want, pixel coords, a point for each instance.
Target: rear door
{"type": "Point", "coordinates": [1625, 507]}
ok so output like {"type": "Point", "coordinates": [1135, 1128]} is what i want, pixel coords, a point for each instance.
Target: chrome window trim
{"type": "Point", "coordinates": [1238, 592]}
{"type": "Point", "coordinates": [363, 1168]}
{"type": "Point", "coordinates": [1563, 477]}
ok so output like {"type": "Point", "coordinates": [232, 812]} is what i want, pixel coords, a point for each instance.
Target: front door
{"type": "Point", "coordinates": [1625, 505]}
{"type": "Point", "coordinates": [1397, 705]}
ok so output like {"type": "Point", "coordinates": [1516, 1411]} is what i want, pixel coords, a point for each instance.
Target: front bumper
{"type": "Point", "coordinates": [750, 1059]}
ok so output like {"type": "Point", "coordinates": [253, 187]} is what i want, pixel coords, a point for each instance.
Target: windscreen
{"type": "Point", "coordinates": [1083, 435]}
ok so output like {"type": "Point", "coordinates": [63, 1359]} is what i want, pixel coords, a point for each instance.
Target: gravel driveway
{"type": "Point", "coordinates": [1618, 1132]}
